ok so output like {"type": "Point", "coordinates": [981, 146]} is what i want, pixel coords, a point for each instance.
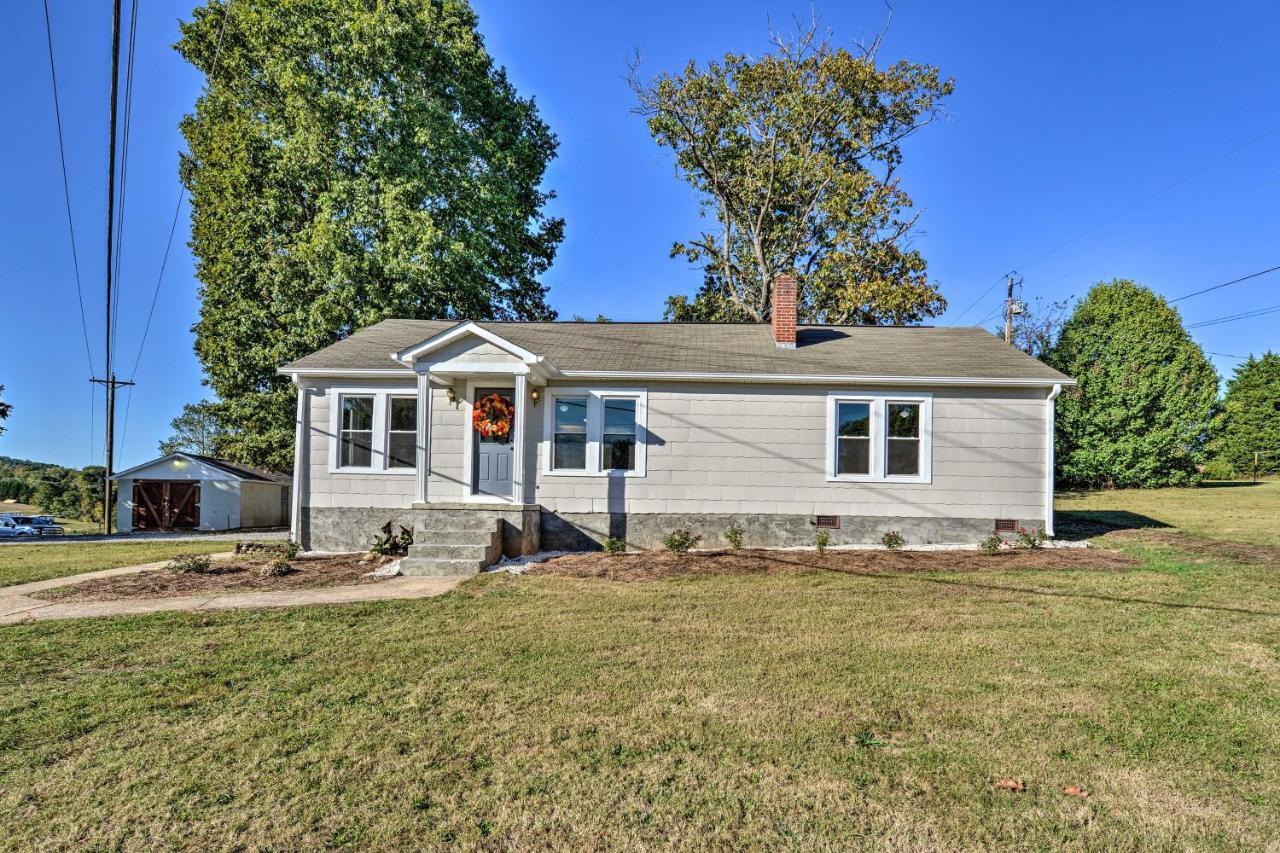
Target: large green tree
{"type": "Point", "coordinates": [196, 430]}
{"type": "Point", "coordinates": [350, 162]}
{"type": "Point", "coordinates": [1247, 427]}
{"type": "Point", "coordinates": [795, 156]}
{"type": "Point", "coordinates": [1140, 415]}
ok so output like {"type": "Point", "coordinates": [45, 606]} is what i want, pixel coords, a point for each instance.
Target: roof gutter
{"type": "Point", "coordinates": [1048, 456]}
{"type": "Point", "coordinates": [817, 379]}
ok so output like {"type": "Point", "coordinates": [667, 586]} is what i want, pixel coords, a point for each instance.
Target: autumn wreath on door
{"type": "Point", "coordinates": [492, 416]}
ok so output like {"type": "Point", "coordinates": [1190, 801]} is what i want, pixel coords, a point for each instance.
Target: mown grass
{"type": "Point", "coordinates": [795, 710]}
{"type": "Point", "coordinates": [1236, 511]}
{"type": "Point", "coordinates": [25, 563]}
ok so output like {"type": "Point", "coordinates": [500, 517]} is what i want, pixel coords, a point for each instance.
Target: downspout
{"type": "Point", "coordinates": [1048, 458]}
{"type": "Point", "coordinates": [299, 454]}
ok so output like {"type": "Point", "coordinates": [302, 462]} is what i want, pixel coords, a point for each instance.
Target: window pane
{"type": "Point", "coordinates": [620, 417]}
{"type": "Point", "coordinates": [854, 456]}
{"type": "Point", "coordinates": [904, 420]}
{"type": "Point", "coordinates": [570, 451]}
{"type": "Point", "coordinates": [357, 413]}
{"type": "Point", "coordinates": [854, 419]}
{"type": "Point", "coordinates": [571, 415]}
{"type": "Point", "coordinates": [404, 414]}
{"type": "Point", "coordinates": [904, 457]}
{"type": "Point", "coordinates": [402, 450]}
{"type": "Point", "coordinates": [357, 449]}
{"type": "Point", "coordinates": [619, 452]}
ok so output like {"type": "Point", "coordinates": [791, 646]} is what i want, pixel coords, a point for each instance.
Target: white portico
{"type": "Point", "coordinates": [470, 362]}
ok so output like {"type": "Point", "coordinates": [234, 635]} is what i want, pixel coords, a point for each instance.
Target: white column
{"type": "Point", "coordinates": [517, 475]}
{"type": "Point", "coordinates": [423, 460]}
{"type": "Point", "coordinates": [1048, 459]}
{"type": "Point", "coordinates": [301, 459]}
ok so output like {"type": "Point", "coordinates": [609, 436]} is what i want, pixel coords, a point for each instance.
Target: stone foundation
{"type": "Point", "coordinates": [529, 528]}
{"type": "Point", "coordinates": [585, 531]}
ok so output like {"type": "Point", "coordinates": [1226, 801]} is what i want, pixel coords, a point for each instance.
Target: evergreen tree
{"type": "Point", "coordinates": [1248, 425]}
{"type": "Point", "coordinates": [350, 162]}
{"type": "Point", "coordinates": [1140, 415]}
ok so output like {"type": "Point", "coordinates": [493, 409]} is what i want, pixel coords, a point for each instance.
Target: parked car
{"type": "Point", "coordinates": [10, 529]}
{"type": "Point", "coordinates": [43, 525]}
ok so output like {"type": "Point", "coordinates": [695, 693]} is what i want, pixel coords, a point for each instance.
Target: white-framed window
{"type": "Point", "coordinates": [877, 436]}
{"type": "Point", "coordinates": [402, 432]}
{"type": "Point", "coordinates": [374, 431]}
{"type": "Point", "coordinates": [594, 432]}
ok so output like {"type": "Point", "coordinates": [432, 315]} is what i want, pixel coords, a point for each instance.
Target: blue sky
{"type": "Point", "coordinates": [1085, 141]}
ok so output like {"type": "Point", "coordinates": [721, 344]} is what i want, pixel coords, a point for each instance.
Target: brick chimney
{"type": "Point", "coordinates": [784, 311]}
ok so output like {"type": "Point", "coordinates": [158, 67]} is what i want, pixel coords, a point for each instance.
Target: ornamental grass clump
{"type": "Point", "coordinates": [192, 563]}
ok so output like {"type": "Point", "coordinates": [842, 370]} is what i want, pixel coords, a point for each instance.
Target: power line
{"type": "Point", "coordinates": [1226, 355]}
{"type": "Point", "coordinates": [177, 208]}
{"type": "Point", "coordinates": [1225, 284]}
{"type": "Point", "coordinates": [1232, 318]}
{"type": "Point", "coordinates": [66, 187]}
{"type": "Point", "coordinates": [124, 165]}
{"type": "Point", "coordinates": [975, 302]}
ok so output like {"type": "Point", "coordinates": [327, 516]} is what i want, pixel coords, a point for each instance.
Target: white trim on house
{"type": "Point", "coordinates": [411, 354]}
{"type": "Point", "coordinates": [378, 455]}
{"type": "Point", "coordinates": [808, 379]}
{"type": "Point", "coordinates": [356, 372]}
{"type": "Point", "coordinates": [208, 471]}
{"type": "Point", "coordinates": [595, 430]}
{"type": "Point", "coordinates": [1049, 406]}
{"type": "Point", "coordinates": [879, 438]}
{"type": "Point", "coordinates": [301, 454]}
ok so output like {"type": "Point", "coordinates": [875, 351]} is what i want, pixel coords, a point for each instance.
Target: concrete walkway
{"type": "Point", "coordinates": [17, 604]}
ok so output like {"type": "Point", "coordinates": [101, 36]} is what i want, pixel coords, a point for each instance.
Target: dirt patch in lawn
{"type": "Point", "coordinates": [1200, 548]}
{"type": "Point", "coordinates": [648, 565]}
{"type": "Point", "coordinates": [232, 576]}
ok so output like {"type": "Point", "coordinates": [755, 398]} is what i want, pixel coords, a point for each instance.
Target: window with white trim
{"type": "Point", "coordinates": [375, 430]}
{"type": "Point", "coordinates": [879, 437]}
{"type": "Point", "coordinates": [402, 432]}
{"type": "Point", "coordinates": [355, 438]}
{"type": "Point", "coordinates": [595, 432]}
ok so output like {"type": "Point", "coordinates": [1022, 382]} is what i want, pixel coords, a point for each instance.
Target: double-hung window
{"type": "Point", "coordinates": [595, 432]}
{"type": "Point", "coordinates": [375, 431]}
{"type": "Point", "coordinates": [402, 432]}
{"type": "Point", "coordinates": [355, 441]}
{"type": "Point", "coordinates": [876, 436]}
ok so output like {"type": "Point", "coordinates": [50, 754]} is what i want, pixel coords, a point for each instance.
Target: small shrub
{"type": "Point", "coordinates": [196, 563]}
{"type": "Point", "coordinates": [990, 545]}
{"type": "Point", "coordinates": [276, 567]}
{"type": "Point", "coordinates": [389, 544]}
{"type": "Point", "coordinates": [680, 540]}
{"type": "Point", "coordinates": [1033, 538]}
{"type": "Point", "coordinates": [893, 540]}
{"type": "Point", "coordinates": [821, 540]}
{"type": "Point", "coordinates": [734, 535]}
{"type": "Point", "coordinates": [613, 545]}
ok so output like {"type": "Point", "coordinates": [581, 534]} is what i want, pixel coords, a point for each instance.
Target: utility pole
{"type": "Point", "coordinates": [109, 377]}
{"type": "Point", "coordinates": [1011, 306]}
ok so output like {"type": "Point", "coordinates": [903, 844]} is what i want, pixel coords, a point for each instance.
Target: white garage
{"type": "Point", "coordinates": [185, 491]}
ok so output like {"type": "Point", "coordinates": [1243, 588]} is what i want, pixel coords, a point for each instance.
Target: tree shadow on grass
{"type": "Point", "coordinates": [1077, 524]}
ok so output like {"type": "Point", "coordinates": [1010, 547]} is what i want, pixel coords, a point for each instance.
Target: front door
{"type": "Point", "coordinates": [494, 454]}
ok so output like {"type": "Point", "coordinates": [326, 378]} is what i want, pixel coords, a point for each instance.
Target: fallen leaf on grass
{"type": "Point", "coordinates": [1011, 785]}
{"type": "Point", "coordinates": [1075, 791]}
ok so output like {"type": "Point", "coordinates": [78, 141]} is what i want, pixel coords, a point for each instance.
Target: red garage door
{"type": "Point", "coordinates": [166, 505]}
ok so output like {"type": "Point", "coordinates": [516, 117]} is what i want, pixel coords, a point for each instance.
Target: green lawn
{"type": "Point", "coordinates": [24, 563]}
{"type": "Point", "coordinates": [1237, 511]}
{"type": "Point", "coordinates": [804, 710]}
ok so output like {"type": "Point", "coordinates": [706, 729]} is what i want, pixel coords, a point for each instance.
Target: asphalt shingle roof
{"type": "Point", "coordinates": [879, 351]}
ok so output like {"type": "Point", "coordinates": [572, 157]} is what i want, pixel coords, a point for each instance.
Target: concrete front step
{"type": "Point", "coordinates": [469, 549]}
{"type": "Point", "coordinates": [441, 568]}
{"type": "Point", "coordinates": [433, 523]}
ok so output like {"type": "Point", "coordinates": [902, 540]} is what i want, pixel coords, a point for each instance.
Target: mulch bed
{"type": "Point", "coordinates": [650, 565]}
{"type": "Point", "coordinates": [239, 575]}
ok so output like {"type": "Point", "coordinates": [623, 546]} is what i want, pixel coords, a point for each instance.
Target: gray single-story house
{"type": "Point", "coordinates": [187, 491]}
{"type": "Point", "coordinates": [569, 433]}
